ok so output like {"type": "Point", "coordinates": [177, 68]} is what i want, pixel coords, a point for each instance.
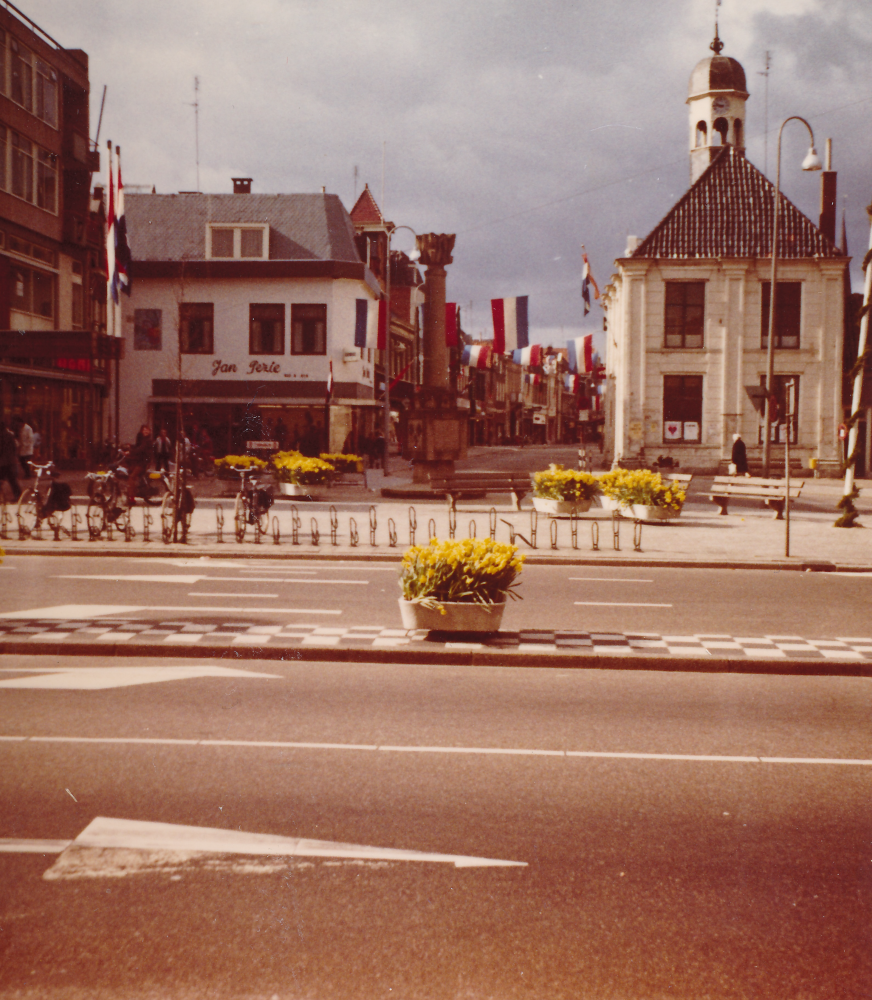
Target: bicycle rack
{"type": "Point", "coordinates": [353, 536]}
{"type": "Point", "coordinates": [296, 524]}
{"type": "Point", "coordinates": [373, 524]}
{"type": "Point", "coordinates": [5, 521]}
{"type": "Point", "coordinates": [512, 532]}
{"type": "Point", "coordinates": [392, 533]}
{"type": "Point", "coordinates": [594, 535]}
{"type": "Point", "coordinates": [334, 526]}
{"type": "Point", "coordinates": [452, 522]}
{"type": "Point", "coordinates": [431, 530]}
{"type": "Point", "coordinates": [74, 525]}
{"type": "Point", "coordinates": [413, 525]}
{"type": "Point", "coordinates": [219, 523]}
{"type": "Point", "coordinates": [276, 533]}
{"type": "Point", "coordinates": [257, 531]}
{"type": "Point", "coordinates": [616, 531]}
{"type": "Point", "coordinates": [147, 521]}
{"type": "Point", "coordinates": [316, 532]}
{"type": "Point", "coordinates": [534, 528]}
{"type": "Point", "coordinates": [57, 526]}
{"type": "Point", "coordinates": [573, 527]}
{"type": "Point", "coordinates": [471, 530]}
{"type": "Point", "coordinates": [492, 523]}
{"type": "Point", "coordinates": [22, 530]}
{"type": "Point", "coordinates": [553, 530]}
{"type": "Point", "coordinates": [637, 535]}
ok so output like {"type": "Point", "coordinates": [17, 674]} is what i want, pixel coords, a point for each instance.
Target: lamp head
{"type": "Point", "coordinates": [812, 161]}
{"type": "Point", "coordinates": [414, 255]}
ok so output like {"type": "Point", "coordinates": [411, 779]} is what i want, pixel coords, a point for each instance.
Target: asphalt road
{"type": "Point", "coordinates": [734, 871]}
{"type": "Point", "coordinates": [595, 598]}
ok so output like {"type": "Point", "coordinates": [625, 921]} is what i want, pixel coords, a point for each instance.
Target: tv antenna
{"type": "Point", "coordinates": [196, 107]}
{"type": "Point", "coordinates": [765, 73]}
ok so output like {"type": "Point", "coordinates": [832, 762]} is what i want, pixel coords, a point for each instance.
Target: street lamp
{"type": "Point", "coordinates": [811, 162]}
{"type": "Point", "coordinates": [413, 256]}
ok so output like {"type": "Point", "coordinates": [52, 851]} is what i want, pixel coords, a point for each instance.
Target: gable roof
{"type": "Point", "coordinates": [172, 227]}
{"type": "Point", "coordinates": [365, 211]}
{"type": "Point", "coordinates": [727, 212]}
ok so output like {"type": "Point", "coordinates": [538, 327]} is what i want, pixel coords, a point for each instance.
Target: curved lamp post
{"type": "Point", "coordinates": [413, 256]}
{"type": "Point", "coordinates": [811, 162]}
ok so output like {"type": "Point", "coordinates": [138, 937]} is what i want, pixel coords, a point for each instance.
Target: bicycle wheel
{"type": "Point", "coordinates": [96, 512]}
{"type": "Point", "coordinates": [28, 512]}
{"type": "Point", "coordinates": [167, 512]}
{"type": "Point", "coordinates": [240, 516]}
{"type": "Point", "coordinates": [117, 508]}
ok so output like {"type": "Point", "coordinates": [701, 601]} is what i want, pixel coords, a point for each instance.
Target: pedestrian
{"type": "Point", "coordinates": [9, 460]}
{"type": "Point", "coordinates": [138, 460]}
{"type": "Point", "coordinates": [163, 450]}
{"type": "Point", "coordinates": [25, 445]}
{"type": "Point", "coordinates": [739, 457]}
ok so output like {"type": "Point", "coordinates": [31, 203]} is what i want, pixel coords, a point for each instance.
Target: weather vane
{"type": "Point", "coordinates": [716, 45]}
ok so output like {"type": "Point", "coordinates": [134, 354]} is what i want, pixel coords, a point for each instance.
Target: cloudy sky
{"type": "Point", "coordinates": [526, 127]}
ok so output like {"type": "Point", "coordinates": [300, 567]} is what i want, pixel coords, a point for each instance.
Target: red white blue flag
{"type": "Point", "coordinates": [580, 353]}
{"type": "Point", "coordinates": [529, 356]}
{"type": "Point", "coordinates": [511, 327]}
{"type": "Point", "coordinates": [121, 273]}
{"type": "Point", "coordinates": [475, 355]}
{"type": "Point", "coordinates": [370, 323]}
{"type": "Point", "coordinates": [587, 280]}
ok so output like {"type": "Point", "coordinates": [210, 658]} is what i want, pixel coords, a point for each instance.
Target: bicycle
{"type": "Point", "coordinates": [107, 503]}
{"type": "Point", "coordinates": [170, 515]}
{"type": "Point", "coordinates": [43, 501]}
{"type": "Point", "coordinates": [252, 504]}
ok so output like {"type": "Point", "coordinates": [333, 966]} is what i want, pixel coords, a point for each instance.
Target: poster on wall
{"type": "Point", "coordinates": [691, 430]}
{"type": "Point", "coordinates": [671, 430]}
{"type": "Point", "coordinates": [147, 330]}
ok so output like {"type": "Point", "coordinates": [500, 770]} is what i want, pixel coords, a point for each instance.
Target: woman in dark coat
{"type": "Point", "coordinates": [739, 456]}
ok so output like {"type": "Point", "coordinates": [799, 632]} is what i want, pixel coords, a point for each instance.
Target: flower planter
{"type": "Point", "coordinates": [609, 503]}
{"type": "Point", "coordinates": [560, 508]}
{"type": "Point", "coordinates": [648, 512]}
{"type": "Point", "coordinates": [458, 617]}
{"type": "Point", "coordinates": [295, 489]}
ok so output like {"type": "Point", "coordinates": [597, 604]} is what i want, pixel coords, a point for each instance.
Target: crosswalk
{"type": "Point", "coordinates": [133, 631]}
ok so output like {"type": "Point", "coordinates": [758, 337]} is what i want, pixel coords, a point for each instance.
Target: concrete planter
{"type": "Point", "coordinates": [649, 512]}
{"type": "Point", "coordinates": [458, 617]}
{"type": "Point", "coordinates": [560, 508]}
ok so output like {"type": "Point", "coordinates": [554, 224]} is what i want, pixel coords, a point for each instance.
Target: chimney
{"type": "Point", "coordinates": [241, 185]}
{"type": "Point", "coordinates": [827, 223]}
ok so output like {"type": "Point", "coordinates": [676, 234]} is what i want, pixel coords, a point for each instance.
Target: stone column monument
{"type": "Point", "coordinates": [436, 430]}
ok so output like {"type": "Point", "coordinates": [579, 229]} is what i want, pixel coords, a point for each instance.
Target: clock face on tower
{"type": "Point", "coordinates": [720, 105]}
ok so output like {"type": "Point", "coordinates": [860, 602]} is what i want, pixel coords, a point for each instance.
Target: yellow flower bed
{"type": "Point", "coordinates": [557, 483]}
{"type": "Point", "coordinates": [344, 463]}
{"type": "Point", "coordinates": [642, 486]}
{"type": "Point", "coordinates": [471, 571]}
{"type": "Point", "coordinates": [292, 467]}
{"type": "Point", "coordinates": [246, 461]}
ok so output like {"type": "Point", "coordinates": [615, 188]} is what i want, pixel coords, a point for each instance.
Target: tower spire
{"type": "Point", "coordinates": [717, 46]}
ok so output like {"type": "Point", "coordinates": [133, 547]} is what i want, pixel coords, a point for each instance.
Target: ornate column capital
{"type": "Point", "coordinates": [435, 249]}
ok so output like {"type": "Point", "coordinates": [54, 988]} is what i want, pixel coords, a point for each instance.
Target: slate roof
{"type": "Point", "coordinates": [728, 213]}
{"type": "Point", "coordinates": [171, 227]}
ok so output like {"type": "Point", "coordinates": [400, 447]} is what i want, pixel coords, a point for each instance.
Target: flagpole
{"type": "Point", "coordinates": [110, 269]}
{"type": "Point", "coordinates": [116, 306]}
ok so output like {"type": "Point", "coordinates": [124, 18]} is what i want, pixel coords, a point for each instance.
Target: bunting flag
{"type": "Point", "coordinates": [121, 274]}
{"type": "Point", "coordinates": [329, 384]}
{"type": "Point", "coordinates": [511, 330]}
{"type": "Point", "coordinates": [529, 356]}
{"type": "Point", "coordinates": [110, 232]}
{"type": "Point", "coordinates": [572, 382]}
{"type": "Point", "coordinates": [370, 323]}
{"type": "Point", "coordinates": [475, 355]}
{"type": "Point", "coordinates": [451, 324]}
{"type": "Point", "coordinates": [580, 353]}
{"type": "Point", "coordinates": [587, 280]}
{"type": "Point", "coordinates": [532, 378]}
{"type": "Point", "coordinates": [399, 377]}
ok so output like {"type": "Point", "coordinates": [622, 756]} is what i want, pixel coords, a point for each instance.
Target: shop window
{"type": "Point", "coordinates": [781, 419]}
{"type": "Point", "coordinates": [22, 75]}
{"type": "Point", "coordinates": [196, 326]}
{"type": "Point", "coordinates": [147, 334]}
{"type": "Point", "coordinates": [266, 329]}
{"type": "Point", "coordinates": [32, 291]}
{"type": "Point", "coordinates": [684, 314]}
{"type": "Point", "coordinates": [309, 329]}
{"type": "Point", "coordinates": [788, 314]}
{"type": "Point", "coordinates": [682, 408]}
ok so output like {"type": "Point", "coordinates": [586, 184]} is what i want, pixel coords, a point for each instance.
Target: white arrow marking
{"type": "Point", "coordinates": [101, 678]}
{"type": "Point", "coordinates": [171, 844]}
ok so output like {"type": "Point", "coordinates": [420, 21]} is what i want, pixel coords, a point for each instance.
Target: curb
{"type": "Point", "coordinates": [456, 658]}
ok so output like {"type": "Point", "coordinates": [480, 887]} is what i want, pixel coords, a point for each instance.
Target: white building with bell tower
{"type": "Point", "coordinates": [687, 308]}
{"type": "Point", "coordinates": [716, 105]}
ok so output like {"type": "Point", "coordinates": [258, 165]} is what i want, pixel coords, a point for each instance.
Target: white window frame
{"type": "Point", "coordinates": [237, 228]}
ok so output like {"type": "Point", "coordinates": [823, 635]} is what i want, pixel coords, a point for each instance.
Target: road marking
{"type": "Point", "coordinates": [17, 846]}
{"type": "Point", "coordinates": [389, 748]}
{"type": "Point", "coordinates": [102, 678]}
{"type": "Point", "coordinates": [202, 593]}
{"type": "Point", "coordinates": [90, 611]}
{"type": "Point", "coordinates": [158, 846]}
{"type": "Point", "coordinates": [606, 579]}
{"type": "Point", "coordinates": [620, 604]}
{"type": "Point", "coordinates": [74, 611]}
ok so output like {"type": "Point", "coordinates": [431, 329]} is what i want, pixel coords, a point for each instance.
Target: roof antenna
{"type": "Point", "coordinates": [717, 45]}
{"type": "Point", "coordinates": [765, 73]}
{"type": "Point", "coordinates": [196, 107]}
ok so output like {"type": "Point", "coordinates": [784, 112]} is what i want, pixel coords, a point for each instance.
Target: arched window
{"type": "Point", "coordinates": [721, 126]}
{"type": "Point", "coordinates": [737, 132]}
{"type": "Point", "coordinates": [701, 134]}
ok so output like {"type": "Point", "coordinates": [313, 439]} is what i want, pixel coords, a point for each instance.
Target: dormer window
{"type": "Point", "coordinates": [237, 242]}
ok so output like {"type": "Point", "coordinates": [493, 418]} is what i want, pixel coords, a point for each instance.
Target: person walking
{"type": "Point", "coordinates": [163, 451]}
{"type": "Point", "coordinates": [138, 460]}
{"type": "Point", "coordinates": [739, 457]}
{"type": "Point", "coordinates": [9, 460]}
{"type": "Point", "coordinates": [25, 445]}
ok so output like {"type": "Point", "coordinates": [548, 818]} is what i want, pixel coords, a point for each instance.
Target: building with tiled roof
{"type": "Point", "coordinates": [243, 305]}
{"type": "Point", "coordinates": [687, 309]}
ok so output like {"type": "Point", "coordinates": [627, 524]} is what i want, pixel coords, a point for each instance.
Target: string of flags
{"type": "Point", "coordinates": [117, 248]}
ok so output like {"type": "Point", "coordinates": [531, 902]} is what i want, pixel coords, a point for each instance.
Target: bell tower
{"type": "Point", "coordinates": [716, 99]}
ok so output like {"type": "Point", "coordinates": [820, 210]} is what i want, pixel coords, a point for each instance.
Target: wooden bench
{"type": "Point", "coordinates": [771, 491]}
{"type": "Point", "coordinates": [517, 484]}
